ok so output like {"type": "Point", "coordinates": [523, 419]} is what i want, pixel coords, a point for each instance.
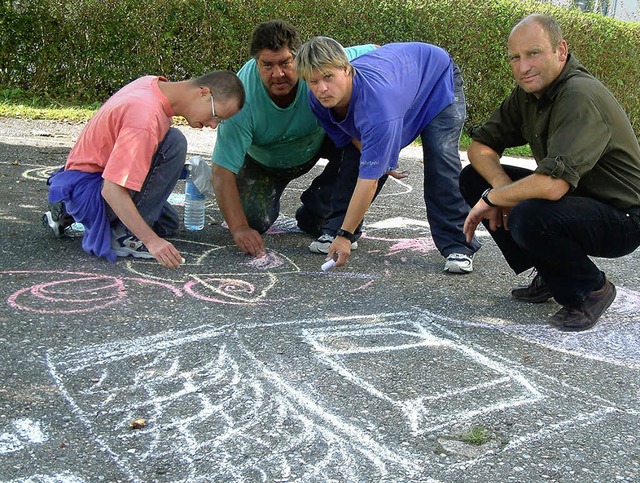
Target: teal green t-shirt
{"type": "Point", "coordinates": [275, 137]}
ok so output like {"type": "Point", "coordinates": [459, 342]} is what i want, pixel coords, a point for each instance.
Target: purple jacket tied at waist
{"type": "Point", "coordinates": [81, 194]}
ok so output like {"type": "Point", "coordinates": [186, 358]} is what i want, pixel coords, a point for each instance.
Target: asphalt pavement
{"type": "Point", "coordinates": [240, 369]}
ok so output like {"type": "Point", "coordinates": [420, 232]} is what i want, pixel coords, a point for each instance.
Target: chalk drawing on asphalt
{"type": "Point", "coordinates": [394, 187]}
{"type": "Point", "coordinates": [221, 403]}
{"type": "Point", "coordinates": [615, 339]}
{"type": "Point", "coordinates": [63, 477]}
{"type": "Point", "coordinates": [67, 292]}
{"type": "Point", "coordinates": [41, 173]}
{"type": "Point", "coordinates": [21, 433]}
{"type": "Point", "coordinates": [211, 274]}
{"type": "Point", "coordinates": [442, 401]}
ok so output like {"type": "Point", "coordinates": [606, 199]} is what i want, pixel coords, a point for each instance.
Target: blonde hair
{"type": "Point", "coordinates": [321, 53]}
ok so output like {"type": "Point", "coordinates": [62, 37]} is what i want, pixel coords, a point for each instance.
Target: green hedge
{"type": "Point", "coordinates": [84, 50]}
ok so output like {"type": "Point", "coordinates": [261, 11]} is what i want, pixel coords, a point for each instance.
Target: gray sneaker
{"type": "Point", "coordinates": [128, 244]}
{"type": "Point", "coordinates": [322, 244]}
{"type": "Point", "coordinates": [56, 220]}
{"type": "Point", "coordinates": [459, 263]}
{"type": "Point", "coordinates": [52, 226]}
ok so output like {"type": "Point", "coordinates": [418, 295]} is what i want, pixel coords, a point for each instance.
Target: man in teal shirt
{"type": "Point", "coordinates": [274, 139]}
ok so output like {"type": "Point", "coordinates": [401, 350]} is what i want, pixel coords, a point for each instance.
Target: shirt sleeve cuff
{"type": "Point", "coordinates": [558, 168]}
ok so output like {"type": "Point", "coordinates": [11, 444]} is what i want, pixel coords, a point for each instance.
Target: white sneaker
{"type": "Point", "coordinates": [322, 244]}
{"type": "Point", "coordinates": [459, 263]}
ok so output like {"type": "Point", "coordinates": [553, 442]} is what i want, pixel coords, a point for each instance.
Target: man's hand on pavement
{"type": "Point", "coordinates": [165, 253]}
{"type": "Point", "coordinates": [249, 241]}
{"type": "Point", "coordinates": [342, 248]}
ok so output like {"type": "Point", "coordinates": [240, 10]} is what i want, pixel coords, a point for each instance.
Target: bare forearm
{"type": "Point", "coordinates": [505, 192]}
{"type": "Point", "coordinates": [487, 163]}
{"type": "Point", "coordinates": [533, 186]}
{"type": "Point", "coordinates": [359, 205]}
{"type": "Point", "coordinates": [228, 198]}
{"type": "Point", "coordinates": [120, 202]}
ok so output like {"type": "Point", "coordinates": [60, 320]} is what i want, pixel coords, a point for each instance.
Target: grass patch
{"type": "Point", "coordinates": [518, 151]}
{"type": "Point", "coordinates": [76, 114]}
{"type": "Point", "coordinates": [25, 105]}
{"type": "Point", "coordinates": [477, 436]}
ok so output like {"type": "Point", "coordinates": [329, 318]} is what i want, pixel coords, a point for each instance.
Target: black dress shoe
{"type": "Point", "coordinates": [535, 293]}
{"type": "Point", "coordinates": [585, 315]}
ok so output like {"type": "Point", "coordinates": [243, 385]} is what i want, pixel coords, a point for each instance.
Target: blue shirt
{"type": "Point", "coordinates": [397, 91]}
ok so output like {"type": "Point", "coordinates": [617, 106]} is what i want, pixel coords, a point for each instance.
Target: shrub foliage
{"type": "Point", "coordinates": [83, 50]}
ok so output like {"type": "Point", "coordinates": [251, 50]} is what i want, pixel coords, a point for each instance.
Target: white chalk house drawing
{"type": "Point", "coordinates": [348, 399]}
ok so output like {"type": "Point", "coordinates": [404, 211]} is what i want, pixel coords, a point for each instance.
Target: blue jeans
{"type": "Point", "coordinates": [151, 201]}
{"type": "Point", "coordinates": [557, 237]}
{"type": "Point", "coordinates": [446, 209]}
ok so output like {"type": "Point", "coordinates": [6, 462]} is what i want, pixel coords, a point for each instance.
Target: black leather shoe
{"type": "Point", "coordinates": [585, 315]}
{"type": "Point", "coordinates": [535, 293]}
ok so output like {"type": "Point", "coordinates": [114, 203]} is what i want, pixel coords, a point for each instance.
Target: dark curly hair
{"type": "Point", "coordinates": [274, 35]}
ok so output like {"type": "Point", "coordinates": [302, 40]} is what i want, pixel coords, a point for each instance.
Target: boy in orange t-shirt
{"type": "Point", "coordinates": [127, 160]}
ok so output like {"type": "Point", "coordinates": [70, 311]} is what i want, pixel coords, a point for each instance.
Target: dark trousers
{"type": "Point", "coordinates": [324, 203]}
{"type": "Point", "coordinates": [557, 237]}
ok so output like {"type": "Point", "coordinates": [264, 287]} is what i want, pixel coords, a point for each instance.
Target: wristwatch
{"type": "Point", "coordinates": [346, 234]}
{"type": "Point", "coordinates": [485, 198]}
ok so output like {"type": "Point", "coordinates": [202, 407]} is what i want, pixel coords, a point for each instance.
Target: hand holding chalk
{"type": "Point", "coordinates": [328, 264]}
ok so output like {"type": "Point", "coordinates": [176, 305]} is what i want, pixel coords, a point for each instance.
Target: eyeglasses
{"type": "Point", "coordinates": [213, 111]}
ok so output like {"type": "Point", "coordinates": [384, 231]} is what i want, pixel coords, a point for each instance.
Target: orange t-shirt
{"type": "Point", "coordinates": [122, 137]}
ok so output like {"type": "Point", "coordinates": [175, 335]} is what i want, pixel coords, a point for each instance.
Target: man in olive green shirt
{"type": "Point", "coordinates": [582, 200]}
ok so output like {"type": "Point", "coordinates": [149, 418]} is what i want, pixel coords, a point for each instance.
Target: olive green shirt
{"type": "Point", "coordinates": [577, 132]}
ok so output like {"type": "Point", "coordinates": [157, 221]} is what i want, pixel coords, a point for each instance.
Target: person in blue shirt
{"type": "Point", "coordinates": [381, 102]}
{"type": "Point", "coordinates": [274, 139]}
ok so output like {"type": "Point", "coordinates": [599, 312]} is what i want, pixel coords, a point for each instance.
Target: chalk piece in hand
{"type": "Point", "coordinates": [328, 264]}
{"type": "Point", "coordinates": [182, 261]}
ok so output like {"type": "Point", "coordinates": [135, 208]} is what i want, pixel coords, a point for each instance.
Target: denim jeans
{"type": "Point", "coordinates": [557, 237]}
{"type": "Point", "coordinates": [446, 209]}
{"type": "Point", "coordinates": [151, 201]}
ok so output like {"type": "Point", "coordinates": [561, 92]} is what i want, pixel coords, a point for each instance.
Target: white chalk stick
{"type": "Point", "coordinates": [182, 261]}
{"type": "Point", "coordinates": [328, 264]}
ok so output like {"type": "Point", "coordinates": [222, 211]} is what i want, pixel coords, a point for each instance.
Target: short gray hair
{"type": "Point", "coordinates": [320, 53]}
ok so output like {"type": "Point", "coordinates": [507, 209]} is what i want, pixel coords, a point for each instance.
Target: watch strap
{"type": "Point", "coordinates": [485, 198]}
{"type": "Point", "coordinates": [346, 234]}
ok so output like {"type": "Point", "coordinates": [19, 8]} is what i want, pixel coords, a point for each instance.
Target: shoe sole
{"type": "Point", "coordinates": [314, 249]}
{"type": "Point", "coordinates": [123, 252]}
{"type": "Point", "coordinates": [458, 271]}
{"type": "Point", "coordinates": [533, 300]}
{"type": "Point", "coordinates": [51, 226]}
{"type": "Point", "coordinates": [454, 268]}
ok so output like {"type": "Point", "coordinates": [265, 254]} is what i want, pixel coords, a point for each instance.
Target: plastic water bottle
{"type": "Point", "coordinates": [193, 206]}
